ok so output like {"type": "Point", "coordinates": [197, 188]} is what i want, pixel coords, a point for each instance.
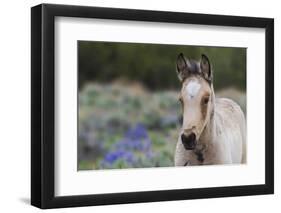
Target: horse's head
{"type": "Point", "coordinates": [196, 97]}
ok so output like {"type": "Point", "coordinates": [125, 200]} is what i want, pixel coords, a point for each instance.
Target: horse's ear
{"type": "Point", "coordinates": [205, 67]}
{"type": "Point", "coordinates": [182, 67]}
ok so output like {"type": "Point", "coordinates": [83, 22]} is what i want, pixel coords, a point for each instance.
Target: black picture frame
{"type": "Point", "coordinates": [43, 105]}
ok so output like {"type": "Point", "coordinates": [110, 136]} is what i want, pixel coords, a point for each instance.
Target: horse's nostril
{"type": "Point", "coordinates": [189, 141]}
{"type": "Point", "coordinates": [183, 138]}
{"type": "Point", "coordinates": [192, 136]}
{"type": "Point", "coordinates": [188, 138]}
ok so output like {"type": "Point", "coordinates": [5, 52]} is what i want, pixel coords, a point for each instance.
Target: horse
{"type": "Point", "coordinates": [213, 129]}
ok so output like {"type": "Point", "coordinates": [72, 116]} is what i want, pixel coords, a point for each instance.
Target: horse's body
{"type": "Point", "coordinates": [214, 130]}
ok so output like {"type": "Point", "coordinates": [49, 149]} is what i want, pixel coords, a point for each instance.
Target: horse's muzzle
{"type": "Point", "coordinates": [189, 142]}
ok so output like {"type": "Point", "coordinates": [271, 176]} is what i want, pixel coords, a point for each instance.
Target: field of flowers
{"type": "Point", "coordinates": [126, 126]}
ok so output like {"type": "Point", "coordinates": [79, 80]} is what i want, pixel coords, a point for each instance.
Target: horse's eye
{"type": "Point", "coordinates": [206, 100]}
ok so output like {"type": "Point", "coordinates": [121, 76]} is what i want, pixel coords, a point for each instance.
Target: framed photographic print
{"type": "Point", "coordinates": [139, 106]}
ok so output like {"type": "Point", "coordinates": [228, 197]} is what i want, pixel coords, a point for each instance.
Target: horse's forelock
{"type": "Point", "coordinates": [195, 70]}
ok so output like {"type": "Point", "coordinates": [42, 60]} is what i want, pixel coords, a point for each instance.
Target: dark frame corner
{"type": "Point", "coordinates": [42, 105]}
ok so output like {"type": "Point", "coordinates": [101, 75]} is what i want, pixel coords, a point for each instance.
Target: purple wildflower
{"type": "Point", "coordinates": [137, 132]}
{"type": "Point", "coordinates": [135, 140]}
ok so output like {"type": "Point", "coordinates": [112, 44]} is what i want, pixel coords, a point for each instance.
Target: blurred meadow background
{"type": "Point", "coordinates": [129, 113]}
